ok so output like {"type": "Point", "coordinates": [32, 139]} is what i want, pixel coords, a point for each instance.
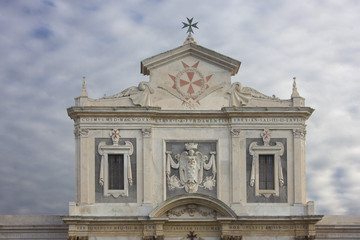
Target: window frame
{"type": "Point", "coordinates": [106, 150]}
{"type": "Point", "coordinates": [277, 151]}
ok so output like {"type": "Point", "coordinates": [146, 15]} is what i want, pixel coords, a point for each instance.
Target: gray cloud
{"type": "Point", "coordinates": [47, 46]}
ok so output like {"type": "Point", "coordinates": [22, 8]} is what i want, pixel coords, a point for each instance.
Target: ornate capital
{"type": "Point", "coordinates": [81, 132]}
{"type": "Point", "coordinates": [299, 133]}
{"type": "Point", "coordinates": [235, 132]}
{"type": "Point", "coordinates": [146, 132]}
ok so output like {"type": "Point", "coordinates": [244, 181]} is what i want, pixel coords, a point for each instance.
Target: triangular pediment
{"type": "Point", "coordinates": [190, 77]}
{"type": "Point", "coordinates": [194, 50]}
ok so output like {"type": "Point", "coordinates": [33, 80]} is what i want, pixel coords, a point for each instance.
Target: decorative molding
{"type": "Point", "coordinates": [191, 209]}
{"type": "Point", "coordinates": [307, 237]}
{"type": "Point", "coordinates": [153, 237]}
{"type": "Point", "coordinates": [77, 238]}
{"type": "Point", "coordinates": [115, 136]}
{"type": "Point", "coordinates": [235, 132]}
{"type": "Point", "coordinates": [187, 121]}
{"type": "Point", "coordinates": [230, 237]}
{"type": "Point", "coordinates": [191, 164]}
{"type": "Point", "coordinates": [299, 133]}
{"type": "Point", "coordinates": [146, 132]}
{"type": "Point", "coordinates": [266, 135]}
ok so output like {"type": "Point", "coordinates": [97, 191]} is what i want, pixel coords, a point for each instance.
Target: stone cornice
{"type": "Point", "coordinates": [155, 112]}
{"type": "Point", "coordinates": [237, 220]}
{"type": "Point", "coordinates": [191, 49]}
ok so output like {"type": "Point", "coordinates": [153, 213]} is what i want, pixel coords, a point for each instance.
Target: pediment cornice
{"type": "Point", "coordinates": [194, 50]}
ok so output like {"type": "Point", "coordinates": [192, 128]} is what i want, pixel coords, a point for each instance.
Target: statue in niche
{"type": "Point", "coordinates": [191, 164]}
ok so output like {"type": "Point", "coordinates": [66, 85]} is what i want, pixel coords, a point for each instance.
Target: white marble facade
{"type": "Point", "coordinates": [191, 142]}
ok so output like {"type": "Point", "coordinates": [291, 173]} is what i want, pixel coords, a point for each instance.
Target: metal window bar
{"type": "Point", "coordinates": [266, 172]}
{"type": "Point", "coordinates": [116, 171]}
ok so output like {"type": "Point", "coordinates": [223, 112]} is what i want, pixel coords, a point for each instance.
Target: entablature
{"type": "Point", "coordinates": [77, 112]}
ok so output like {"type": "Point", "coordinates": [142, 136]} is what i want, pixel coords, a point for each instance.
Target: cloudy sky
{"type": "Point", "coordinates": [47, 46]}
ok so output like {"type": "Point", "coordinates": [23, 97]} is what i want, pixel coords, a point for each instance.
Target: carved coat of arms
{"type": "Point", "coordinates": [191, 164]}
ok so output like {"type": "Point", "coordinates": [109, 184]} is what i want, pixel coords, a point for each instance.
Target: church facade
{"type": "Point", "coordinates": [190, 155]}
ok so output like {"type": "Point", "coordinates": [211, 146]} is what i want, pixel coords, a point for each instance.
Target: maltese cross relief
{"type": "Point", "coordinates": [190, 85]}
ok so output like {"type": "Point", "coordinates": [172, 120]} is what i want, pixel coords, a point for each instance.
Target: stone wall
{"type": "Point", "coordinates": [32, 227]}
{"type": "Point", "coordinates": [338, 227]}
{"type": "Point", "coordinates": [52, 227]}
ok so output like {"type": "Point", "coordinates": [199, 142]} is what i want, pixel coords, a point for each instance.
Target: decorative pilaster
{"type": "Point", "coordinates": [147, 161]}
{"type": "Point", "coordinates": [299, 165]}
{"type": "Point", "coordinates": [81, 138]}
{"type": "Point", "coordinates": [237, 164]}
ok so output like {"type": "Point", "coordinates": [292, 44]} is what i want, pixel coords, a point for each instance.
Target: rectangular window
{"type": "Point", "coordinates": [116, 171]}
{"type": "Point", "coordinates": [266, 172]}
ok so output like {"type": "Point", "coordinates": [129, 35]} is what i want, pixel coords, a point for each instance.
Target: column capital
{"type": "Point", "coordinates": [299, 133]}
{"type": "Point", "coordinates": [146, 132]}
{"type": "Point", "coordinates": [81, 132]}
{"type": "Point", "coordinates": [235, 132]}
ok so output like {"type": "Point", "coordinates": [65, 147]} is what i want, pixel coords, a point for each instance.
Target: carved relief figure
{"type": "Point", "coordinates": [237, 97]}
{"type": "Point", "coordinates": [240, 96]}
{"type": "Point", "coordinates": [191, 165]}
{"type": "Point", "coordinates": [140, 95]}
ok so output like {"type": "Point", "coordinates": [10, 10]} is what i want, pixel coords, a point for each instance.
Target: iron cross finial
{"type": "Point", "coordinates": [190, 25]}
